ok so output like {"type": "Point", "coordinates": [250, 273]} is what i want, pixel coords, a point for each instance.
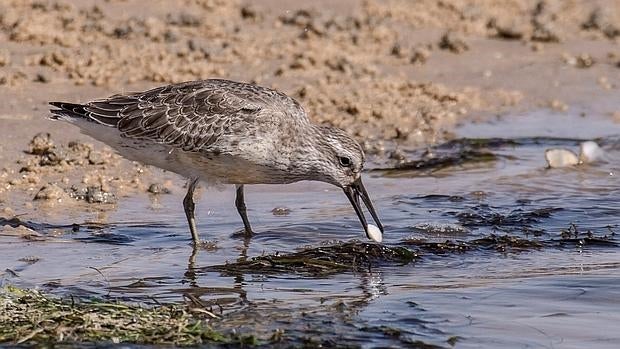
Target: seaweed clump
{"type": "Point", "coordinates": [323, 260]}
{"type": "Point", "coordinates": [498, 243]}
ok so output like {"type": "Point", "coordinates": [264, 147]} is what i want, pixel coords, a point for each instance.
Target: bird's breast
{"type": "Point", "coordinates": [232, 169]}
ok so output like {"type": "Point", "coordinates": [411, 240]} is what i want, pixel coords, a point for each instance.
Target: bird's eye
{"type": "Point", "coordinates": [345, 161]}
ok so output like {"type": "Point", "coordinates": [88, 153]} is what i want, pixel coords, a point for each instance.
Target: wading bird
{"type": "Point", "coordinates": [225, 132]}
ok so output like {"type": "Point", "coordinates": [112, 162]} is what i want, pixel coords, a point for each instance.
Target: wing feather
{"type": "Point", "coordinates": [191, 115]}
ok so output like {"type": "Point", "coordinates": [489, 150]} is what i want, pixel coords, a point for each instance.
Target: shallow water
{"type": "Point", "coordinates": [562, 293]}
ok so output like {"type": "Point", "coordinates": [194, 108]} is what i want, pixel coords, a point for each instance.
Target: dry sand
{"type": "Point", "coordinates": [388, 72]}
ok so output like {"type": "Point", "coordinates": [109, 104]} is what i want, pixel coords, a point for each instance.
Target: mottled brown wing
{"type": "Point", "coordinates": [191, 115]}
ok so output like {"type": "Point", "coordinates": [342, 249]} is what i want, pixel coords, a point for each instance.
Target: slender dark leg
{"type": "Point", "coordinates": [188, 205]}
{"type": "Point", "coordinates": [243, 212]}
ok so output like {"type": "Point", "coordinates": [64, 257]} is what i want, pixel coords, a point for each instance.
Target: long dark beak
{"type": "Point", "coordinates": [356, 191]}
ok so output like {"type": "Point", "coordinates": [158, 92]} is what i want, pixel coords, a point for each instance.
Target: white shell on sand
{"type": "Point", "coordinates": [374, 233]}
{"type": "Point", "coordinates": [590, 152]}
{"type": "Point", "coordinates": [560, 158]}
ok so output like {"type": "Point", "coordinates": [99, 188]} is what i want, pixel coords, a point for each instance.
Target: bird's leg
{"type": "Point", "coordinates": [243, 212]}
{"type": "Point", "coordinates": [188, 205]}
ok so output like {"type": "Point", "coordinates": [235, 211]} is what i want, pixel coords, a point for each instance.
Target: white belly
{"type": "Point", "coordinates": [211, 168]}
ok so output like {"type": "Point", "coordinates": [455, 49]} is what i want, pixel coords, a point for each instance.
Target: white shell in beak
{"type": "Point", "coordinates": [375, 233]}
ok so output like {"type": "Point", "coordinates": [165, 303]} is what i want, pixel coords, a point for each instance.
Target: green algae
{"type": "Point", "coordinates": [31, 317]}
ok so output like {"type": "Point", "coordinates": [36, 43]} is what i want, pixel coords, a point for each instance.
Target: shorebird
{"type": "Point", "coordinates": [227, 132]}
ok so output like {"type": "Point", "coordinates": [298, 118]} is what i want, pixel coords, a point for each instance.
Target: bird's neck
{"type": "Point", "coordinates": [312, 150]}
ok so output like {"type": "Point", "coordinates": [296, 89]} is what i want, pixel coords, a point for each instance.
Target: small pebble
{"type": "Point", "coordinates": [96, 158]}
{"type": "Point", "coordinates": [30, 259]}
{"type": "Point", "coordinates": [281, 211]}
{"type": "Point", "coordinates": [98, 196]}
{"type": "Point", "coordinates": [42, 78]}
{"type": "Point", "coordinates": [92, 195]}
{"type": "Point", "coordinates": [50, 192]}
{"type": "Point", "coordinates": [40, 144]}
{"type": "Point", "coordinates": [453, 42]}
{"type": "Point", "coordinates": [157, 189]}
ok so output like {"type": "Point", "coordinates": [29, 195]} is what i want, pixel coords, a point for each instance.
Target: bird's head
{"type": "Point", "coordinates": [340, 157]}
{"type": "Point", "coordinates": [339, 160]}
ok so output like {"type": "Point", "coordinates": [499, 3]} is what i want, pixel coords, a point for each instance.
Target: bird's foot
{"type": "Point", "coordinates": [243, 233]}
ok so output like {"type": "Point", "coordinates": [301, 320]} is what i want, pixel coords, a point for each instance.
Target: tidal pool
{"type": "Point", "coordinates": [505, 252]}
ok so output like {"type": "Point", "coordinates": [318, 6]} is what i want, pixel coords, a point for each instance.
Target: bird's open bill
{"type": "Point", "coordinates": [356, 191]}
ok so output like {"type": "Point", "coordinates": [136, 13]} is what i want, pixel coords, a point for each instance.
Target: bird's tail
{"type": "Point", "coordinates": [67, 111]}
